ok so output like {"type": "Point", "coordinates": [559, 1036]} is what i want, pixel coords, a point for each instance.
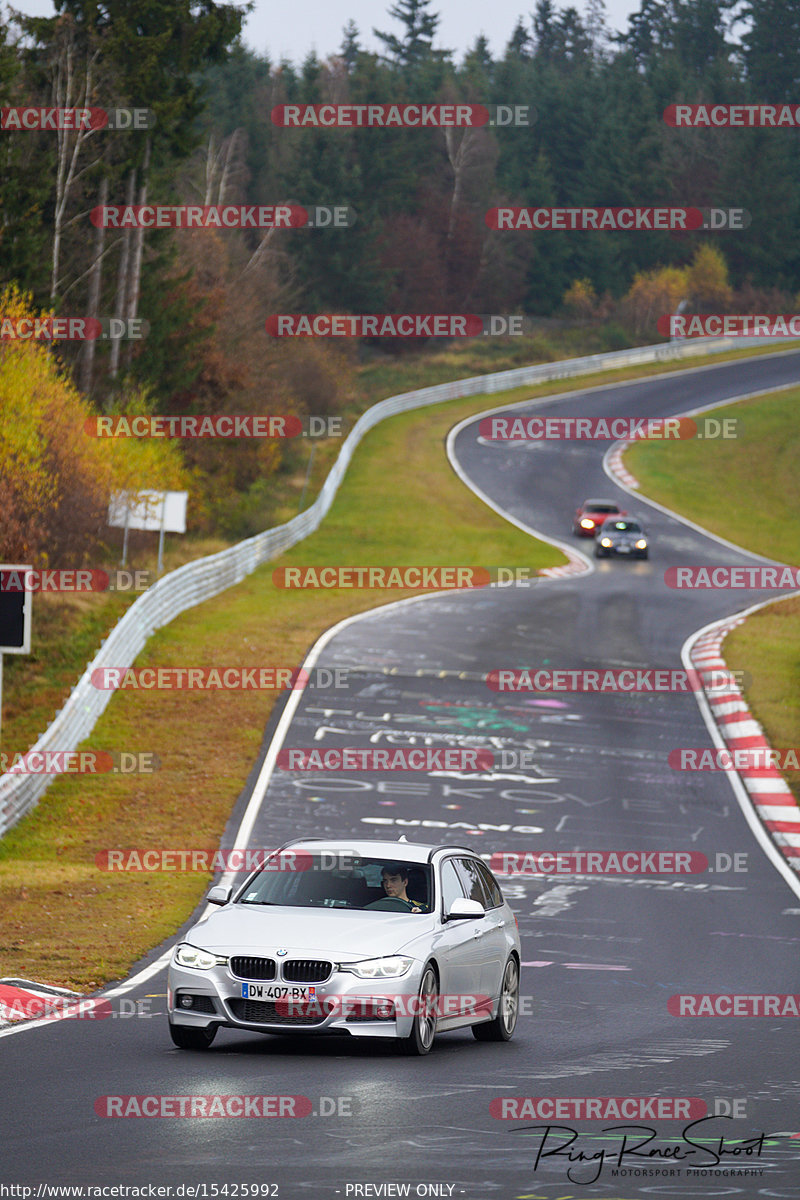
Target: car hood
{"type": "Point", "coordinates": [328, 933]}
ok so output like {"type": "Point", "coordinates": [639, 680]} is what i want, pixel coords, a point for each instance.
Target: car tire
{"type": "Point", "coordinates": [501, 1029]}
{"type": "Point", "coordinates": [423, 1028]}
{"type": "Point", "coordinates": [191, 1037]}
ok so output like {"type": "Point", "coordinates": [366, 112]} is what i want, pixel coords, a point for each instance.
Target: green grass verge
{"type": "Point", "coordinates": [748, 491]}
{"type": "Point", "coordinates": [745, 489]}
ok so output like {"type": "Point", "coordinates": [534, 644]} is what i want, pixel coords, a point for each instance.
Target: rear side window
{"type": "Point", "coordinates": [490, 883]}
{"type": "Point", "coordinates": [470, 875]}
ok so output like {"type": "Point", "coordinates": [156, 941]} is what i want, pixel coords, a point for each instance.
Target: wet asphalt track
{"type": "Point", "coordinates": [603, 954]}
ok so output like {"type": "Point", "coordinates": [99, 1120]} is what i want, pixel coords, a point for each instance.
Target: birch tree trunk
{"type": "Point", "coordinates": [135, 278]}
{"type": "Point", "coordinates": [463, 152]}
{"type": "Point", "coordinates": [67, 94]}
{"type": "Point", "coordinates": [219, 166]}
{"type": "Point", "coordinates": [121, 303]}
{"type": "Point", "coordinates": [95, 291]}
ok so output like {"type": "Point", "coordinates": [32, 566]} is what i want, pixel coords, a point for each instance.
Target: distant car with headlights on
{"type": "Point", "coordinates": [625, 537]}
{"type": "Point", "coordinates": [592, 514]}
{"type": "Point", "coordinates": [367, 938]}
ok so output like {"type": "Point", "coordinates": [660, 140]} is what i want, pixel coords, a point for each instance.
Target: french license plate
{"type": "Point", "coordinates": [624, 549]}
{"type": "Point", "coordinates": [277, 991]}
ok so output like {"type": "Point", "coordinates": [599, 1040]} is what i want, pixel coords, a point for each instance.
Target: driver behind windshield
{"type": "Point", "coordinates": [394, 878]}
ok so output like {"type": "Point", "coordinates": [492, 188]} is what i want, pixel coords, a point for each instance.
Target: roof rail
{"type": "Point", "coordinates": [449, 846]}
{"type": "Point", "coordinates": [314, 838]}
{"type": "Point", "coordinates": [293, 842]}
{"type": "Point", "coordinates": [398, 842]}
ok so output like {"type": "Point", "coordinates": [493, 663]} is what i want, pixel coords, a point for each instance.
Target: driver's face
{"type": "Point", "coordinates": [395, 885]}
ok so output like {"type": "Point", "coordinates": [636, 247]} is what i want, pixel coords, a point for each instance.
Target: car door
{"type": "Point", "coordinates": [503, 931]}
{"type": "Point", "coordinates": [490, 931]}
{"type": "Point", "coordinates": [457, 949]}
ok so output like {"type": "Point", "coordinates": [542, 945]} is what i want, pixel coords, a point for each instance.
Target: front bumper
{"type": "Point", "coordinates": [622, 552]}
{"type": "Point", "coordinates": [341, 1004]}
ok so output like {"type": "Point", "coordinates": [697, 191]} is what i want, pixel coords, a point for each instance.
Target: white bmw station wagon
{"type": "Point", "coordinates": [367, 938]}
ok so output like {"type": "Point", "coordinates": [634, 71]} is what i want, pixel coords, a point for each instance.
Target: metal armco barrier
{"type": "Point", "coordinates": [197, 581]}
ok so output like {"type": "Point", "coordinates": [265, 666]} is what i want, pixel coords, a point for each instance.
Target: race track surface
{"type": "Point", "coordinates": [602, 954]}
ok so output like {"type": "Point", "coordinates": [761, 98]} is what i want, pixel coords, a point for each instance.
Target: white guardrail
{"type": "Point", "coordinates": [197, 581]}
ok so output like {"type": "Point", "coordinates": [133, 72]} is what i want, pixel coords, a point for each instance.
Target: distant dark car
{"type": "Point", "coordinates": [591, 515]}
{"type": "Point", "coordinates": [624, 536]}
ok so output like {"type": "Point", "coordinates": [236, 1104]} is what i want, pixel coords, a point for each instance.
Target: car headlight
{"type": "Point", "coordinates": [587, 524]}
{"type": "Point", "coordinates": [202, 960]}
{"type": "Point", "coordinates": [641, 544]}
{"type": "Point", "coordinates": [379, 968]}
{"type": "Point", "coordinates": [605, 542]}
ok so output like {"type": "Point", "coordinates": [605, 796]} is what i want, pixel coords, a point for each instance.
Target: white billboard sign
{"type": "Point", "coordinates": [148, 510]}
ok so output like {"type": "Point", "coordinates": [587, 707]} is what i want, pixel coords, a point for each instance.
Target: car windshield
{"type": "Point", "coordinates": [600, 508]}
{"type": "Point", "coordinates": [336, 880]}
{"type": "Point", "coordinates": [625, 527]}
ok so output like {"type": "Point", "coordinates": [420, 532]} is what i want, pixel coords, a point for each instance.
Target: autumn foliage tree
{"type": "Point", "coordinates": [654, 294]}
{"type": "Point", "coordinates": [707, 280]}
{"type": "Point", "coordinates": [55, 477]}
{"type": "Point", "coordinates": [702, 285]}
{"type": "Point", "coordinates": [580, 298]}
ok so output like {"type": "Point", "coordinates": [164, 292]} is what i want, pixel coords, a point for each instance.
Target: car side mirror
{"type": "Point", "coordinates": [219, 894]}
{"type": "Point", "coordinates": [465, 910]}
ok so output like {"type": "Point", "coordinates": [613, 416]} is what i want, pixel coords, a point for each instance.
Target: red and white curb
{"type": "Point", "coordinates": [617, 466]}
{"type": "Point", "coordinates": [767, 790]}
{"type": "Point", "coordinates": [24, 1000]}
{"type": "Point", "coordinates": [575, 566]}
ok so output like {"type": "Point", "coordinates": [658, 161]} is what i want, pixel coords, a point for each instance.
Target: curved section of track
{"type": "Point", "coordinates": [602, 954]}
